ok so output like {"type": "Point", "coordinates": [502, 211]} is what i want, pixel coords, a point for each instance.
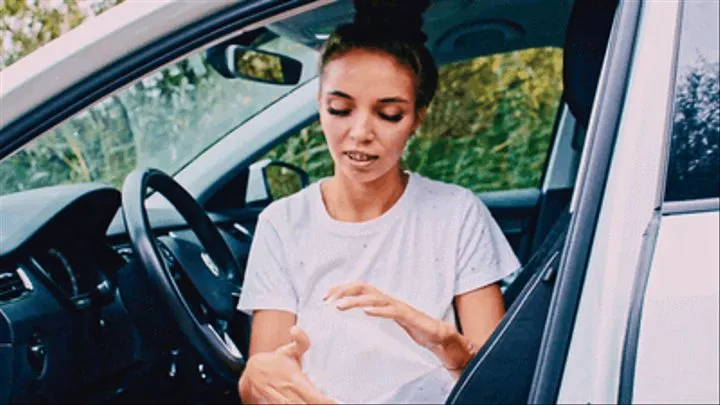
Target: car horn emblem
{"type": "Point", "coordinates": [210, 264]}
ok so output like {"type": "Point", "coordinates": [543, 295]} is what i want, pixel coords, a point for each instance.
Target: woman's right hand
{"type": "Point", "coordinates": [277, 377]}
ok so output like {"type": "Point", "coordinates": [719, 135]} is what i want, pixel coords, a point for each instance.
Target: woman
{"type": "Point", "coordinates": [351, 282]}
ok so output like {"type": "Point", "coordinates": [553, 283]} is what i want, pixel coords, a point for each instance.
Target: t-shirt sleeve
{"type": "Point", "coordinates": [484, 254]}
{"type": "Point", "coordinates": [267, 282]}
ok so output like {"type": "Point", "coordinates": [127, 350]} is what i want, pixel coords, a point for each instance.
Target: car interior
{"type": "Point", "coordinates": [86, 269]}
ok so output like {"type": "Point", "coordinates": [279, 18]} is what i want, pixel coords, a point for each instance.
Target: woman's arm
{"type": "Point", "coordinates": [270, 329]}
{"type": "Point", "coordinates": [479, 312]}
{"type": "Point", "coordinates": [274, 372]}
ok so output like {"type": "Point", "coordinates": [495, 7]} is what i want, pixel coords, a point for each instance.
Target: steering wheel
{"type": "Point", "coordinates": [202, 307]}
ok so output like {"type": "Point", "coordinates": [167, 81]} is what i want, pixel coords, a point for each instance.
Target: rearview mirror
{"type": "Point", "coordinates": [237, 61]}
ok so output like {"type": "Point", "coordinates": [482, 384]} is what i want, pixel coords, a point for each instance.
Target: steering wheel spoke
{"type": "Point", "coordinates": [223, 337]}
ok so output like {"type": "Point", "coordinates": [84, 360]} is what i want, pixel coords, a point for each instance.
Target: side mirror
{"type": "Point", "coordinates": [238, 61]}
{"type": "Point", "coordinates": [270, 180]}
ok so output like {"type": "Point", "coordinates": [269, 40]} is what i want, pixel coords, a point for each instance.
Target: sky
{"type": "Point", "coordinates": [701, 32]}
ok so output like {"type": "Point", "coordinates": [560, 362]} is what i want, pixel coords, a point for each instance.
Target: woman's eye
{"type": "Point", "coordinates": [391, 117]}
{"type": "Point", "coordinates": [342, 113]}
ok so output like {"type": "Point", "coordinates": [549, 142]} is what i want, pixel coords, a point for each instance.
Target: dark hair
{"type": "Point", "coordinates": [392, 27]}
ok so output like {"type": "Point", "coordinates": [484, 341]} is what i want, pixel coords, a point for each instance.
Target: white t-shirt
{"type": "Point", "coordinates": [436, 242]}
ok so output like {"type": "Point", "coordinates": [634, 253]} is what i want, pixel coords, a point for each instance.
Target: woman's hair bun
{"type": "Point", "coordinates": [393, 27]}
{"type": "Point", "coordinates": [399, 19]}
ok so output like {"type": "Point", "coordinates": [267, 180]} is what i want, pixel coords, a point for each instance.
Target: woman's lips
{"type": "Point", "coordinates": [360, 159]}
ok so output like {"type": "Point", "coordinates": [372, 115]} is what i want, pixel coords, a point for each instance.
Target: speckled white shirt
{"type": "Point", "coordinates": [436, 242]}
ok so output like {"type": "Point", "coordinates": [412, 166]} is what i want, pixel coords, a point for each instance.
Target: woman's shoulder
{"type": "Point", "coordinates": [291, 208]}
{"type": "Point", "coordinates": [438, 192]}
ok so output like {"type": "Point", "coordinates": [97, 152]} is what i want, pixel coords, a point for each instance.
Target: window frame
{"type": "Point", "coordinates": [586, 205]}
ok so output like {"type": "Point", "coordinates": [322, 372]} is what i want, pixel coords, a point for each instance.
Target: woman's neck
{"type": "Point", "coordinates": [350, 201]}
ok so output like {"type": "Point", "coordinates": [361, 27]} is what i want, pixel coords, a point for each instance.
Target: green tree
{"type": "Point", "coordinates": [30, 24]}
{"type": "Point", "coordinates": [695, 152]}
{"type": "Point", "coordinates": [489, 126]}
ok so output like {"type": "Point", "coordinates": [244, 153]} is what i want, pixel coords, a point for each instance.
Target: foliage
{"type": "Point", "coordinates": [161, 121]}
{"type": "Point", "coordinates": [261, 66]}
{"type": "Point", "coordinates": [488, 128]}
{"type": "Point", "coordinates": [694, 165]}
{"type": "Point", "coordinates": [30, 24]}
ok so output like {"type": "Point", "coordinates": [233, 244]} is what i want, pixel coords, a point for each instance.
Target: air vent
{"type": "Point", "coordinates": [13, 284]}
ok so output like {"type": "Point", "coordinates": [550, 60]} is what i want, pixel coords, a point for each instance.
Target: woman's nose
{"type": "Point", "coordinates": [362, 129]}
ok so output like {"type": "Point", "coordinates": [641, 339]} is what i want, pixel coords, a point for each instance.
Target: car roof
{"type": "Point", "coordinates": [456, 29]}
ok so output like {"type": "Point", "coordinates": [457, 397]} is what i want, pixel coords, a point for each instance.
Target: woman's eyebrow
{"type": "Point", "coordinates": [393, 100]}
{"type": "Point", "coordinates": [385, 100]}
{"type": "Point", "coordinates": [339, 93]}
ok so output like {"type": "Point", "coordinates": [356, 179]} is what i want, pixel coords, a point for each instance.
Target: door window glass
{"type": "Point", "coordinates": [163, 121]}
{"type": "Point", "coordinates": [694, 161]}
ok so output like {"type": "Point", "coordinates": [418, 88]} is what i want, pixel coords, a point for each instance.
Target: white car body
{"type": "Point", "coordinates": [671, 249]}
{"type": "Point", "coordinates": [633, 201]}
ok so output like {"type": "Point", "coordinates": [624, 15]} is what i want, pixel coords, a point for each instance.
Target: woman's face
{"type": "Point", "coordinates": [367, 112]}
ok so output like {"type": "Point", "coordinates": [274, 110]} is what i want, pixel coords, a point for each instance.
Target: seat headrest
{"type": "Point", "coordinates": [586, 39]}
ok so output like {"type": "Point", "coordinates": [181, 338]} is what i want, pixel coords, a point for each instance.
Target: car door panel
{"type": "Point", "coordinates": [677, 350]}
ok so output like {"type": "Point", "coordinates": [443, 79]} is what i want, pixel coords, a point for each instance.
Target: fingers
{"type": "Point", "coordinates": [365, 300]}
{"type": "Point", "coordinates": [273, 396]}
{"type": "Point", "coordinates": [388, 312]}
{"type": "Point", "coordinates": [299, 344]}
{"type": "Point", "coordinates": [344, 290]}
{"type": "Point", "coordinates": [301, 339]}
{"type": "Point", "coordinates": [291, 349]}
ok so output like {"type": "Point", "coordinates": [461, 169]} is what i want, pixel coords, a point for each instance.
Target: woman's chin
{"type": "Point", "coordinates": [363, 172]}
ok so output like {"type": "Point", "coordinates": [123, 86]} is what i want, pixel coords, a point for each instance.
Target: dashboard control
{"type": "Point", "coordinates": [105, 292]}
{"type": "Point", "coordinates": [242, 230]}
{"type": "Point", "coordinates": [37, 355]}
{"type": "Point", "coordinates": [99, 330]}
{"type": "Point", "coordinates": [125, 252]}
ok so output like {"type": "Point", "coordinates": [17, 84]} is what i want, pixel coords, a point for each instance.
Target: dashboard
{"type": "Point", "coordinates": [66, 329]}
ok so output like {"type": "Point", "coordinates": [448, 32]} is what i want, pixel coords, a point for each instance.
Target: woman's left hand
{"type": "Point", "coordinates": [426, 331]}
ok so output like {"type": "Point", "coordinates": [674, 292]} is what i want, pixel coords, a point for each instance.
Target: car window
{"type": "Point", "coordinates": [489, 127]}
{"type": "Point", "coordinates": [163, 121]}
{"type": "Point", "coordinates": [694, 161]}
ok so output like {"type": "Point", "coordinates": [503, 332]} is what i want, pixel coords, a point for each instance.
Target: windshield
{"type": "Point", "coordinates": [163, 121]}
